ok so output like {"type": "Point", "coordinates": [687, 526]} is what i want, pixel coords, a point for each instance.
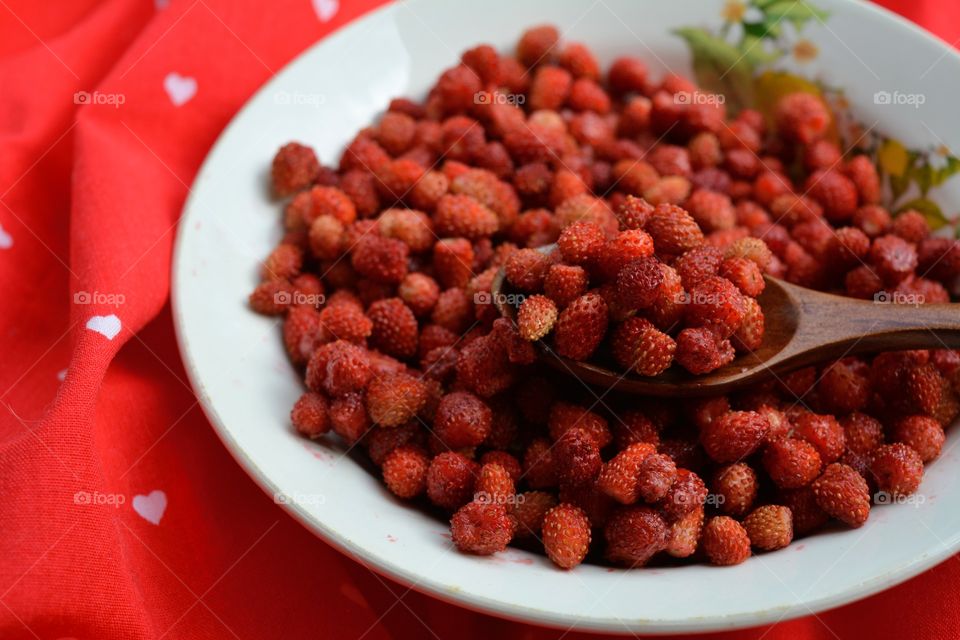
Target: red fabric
{"type": "Point", "coordinates": [90, 197]}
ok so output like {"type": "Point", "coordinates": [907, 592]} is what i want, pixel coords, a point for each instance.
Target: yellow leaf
{"type": "Point", "coordinates": [893, 158]}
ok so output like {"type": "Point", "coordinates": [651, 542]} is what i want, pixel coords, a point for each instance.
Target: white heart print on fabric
{"type": "Point", "coordinates": [151, 506]}
{"type": "Point", "coordinates": [181, 89]}
{"type": "Point", "coordinates": [326, 9]}
{"type": "Point", "coordinates": [107, 326]}
{"type": "Point", "coordinates": [6, 240]}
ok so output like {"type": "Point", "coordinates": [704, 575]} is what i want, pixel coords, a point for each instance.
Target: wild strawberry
{"type": "Point", "coordinates": [409, 226]}
{"type": "Point", "coordinates": [481, 528]}
{"type": "Point", "coordinates": [518, 350]}
{"type": "Point", "coordinates": [395, 398]}
{"type": "Point", "coordinates": [536, 45]}
{"type": "Point", "coordinates": [348, 417]}
{"type": "Point", "coordinates": [655, 477]}
{"type": "Point", "coordinates": [922, 433]}
{"type": "Point", "coordinates": [345, 322]}
{"type": "Point", "coordinates": [577, 457]}
{"type": "Point", "coordinates": [539, 468]}
{"type": "Point", "coordinates": [638, 283]}
{"type": "Point", "coordinates": [427, 191]}
{"type": "Point", "coordinates": [456, 89]}
{"type": "Point", "coordinates": [638, 346]}
{"type": "Point", "coordinates": [621, 250]}
{"type": "Point", "coordinates": [744, 274]}
{"type": "Point", "coordinates": [394, 328]}
{"type": "Point", "coordinates": [893, 258]}
{"type": "Point", "coordinates": [484, 368]}
{"type": "Point", "coordinates": [843, 494]}
{"type": "Point", "coordinates": [713, 211]}
{"type": "Point", "coordinates": [749, 336]}
{"type": "Point", "coordinates": [309, 415]}
{"type": "Point", "coordinates": [687, 493]}
{"type": "Point", "coordinates": [526, 269]}
{"type": "Point", "coordinates": [769, 527]}
{"type": "Point", "coordinates": [564, 416]}
{"type": "Point", "coordinates": [922, 389]}
{"type": "Point", "coordinates": [405, 471]}
{"type": "Point", "coordinates": [360, 186]}
{"type": "Point", "coordinates": [528, 512]}
{"type": "Point", "coordinates": [802, 118]}
{"type": "Point", "coordinates": [462, 420]}
{"type": "Point", "coordinates": [696, 265]}
{"type": "Point", "coordinates": [734, 435]}
{"type": "Point", "coordinates": [835, 192]}
{"type": "Point", "coordinates": [338, 368]}
{"type": "Point", "coordinates": [580, 327]}
{"type": "Point", "coordinates": [462, 216]}
{"type": "Point", "coordinates": [791, 463]}
{"type": "Point", "coordinates": [862, 433]}
{"type": "Point", "coordinates": [897, 468]}
{"type": "Point", "coordinates": [684, 534]}
{"type": "Point", "coordinates": [536, 317]}
{"type": "Point", "coordinates": [725, 541]}
{"type": "Point", "coordinates": [453, 310]}
{"type": "Point", "coordinates": [419, 292]}
{"type": "Point", "coordinates": [634, 535]}
{"type": "Point", "coordinates": [736, 488]}
{"type": "Point", "coordinates": [494, 484]}
{"type": "Point", "coordinates": [450, 480]}
{"type": "Point", "coordinates": [283, 263]}
{"type": "Point", "coordinates": [381, 442]}
{"type": "Point", "coordinates": [506, 460]}
{"type": "Point", "coordinates": [566, 535]}
{"type": "Point", "coordinates": [618, 477]}
{"type": "Point", "coordinates": [581, 242]}
{"type": "Point", "coordinates": [587, 95]}
{"type": "Point", "coordinates": [699, 351]}
{"type": "Point", "coordinates": [302, 333]}
{"type": "Point", "coordinates": [380, 259]}
{"type": "Point", "coordinates": [716, 303]}
{"type": "Point", "coordinates": [844, 386]}
{"type": "Point", "coordinates": [863, 173]}
{"type": "Point", "coordinates": [294, 168]}
{"type": "Point", "coordinates": [862, 282]}
{"type": "Point", "coordinates": [564, 283]}
{"type": "Point", "coordinates": [823, 432]}
{"type": "Point", "coordinates": [673, 230]}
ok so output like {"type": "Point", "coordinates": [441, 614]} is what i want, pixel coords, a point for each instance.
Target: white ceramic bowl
{"type": "Point", "coordinates": [236, 361]}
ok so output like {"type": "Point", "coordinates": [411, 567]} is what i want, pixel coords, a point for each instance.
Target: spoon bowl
{"type": "Point", "coordinates": [802, 327]}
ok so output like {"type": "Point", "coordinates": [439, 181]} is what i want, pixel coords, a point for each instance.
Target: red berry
{"type": "Point", "coordinates": [462, 216]}
{"type": "Point", "coordinates": [393, 399]}
{"type": "Point", "coordinates": [619, 477]}
{"type": "Point", "coordinates": [699, 351]}
{"type": "Point", "coordinates": [338, 368]}
{"type": "Point", "coordinates": [639, 346]}
{"type": "Point", "coordinates": [537, 44]}
{"type": "Point", "coordinates": [462, 420]}
{"type": "Point", "coordinates": [684, 534]}
{"type": "Point", "coordinates": [843, 494]}
{"type": "Point", "coordinates": [725, 541]}
{"type": "Point", "coordinates": [580, 327]}
{"type": "Point", "coordinates": [791, 463]}
{"type": "Point", "coordinates": [734, 436]}
{"type": "Point", "coordinates": [577, 457]}
{"type": "Point", "coordinates": [716, 303]}
{"type": "Point", "coordinates": [736, 488]}
{"type": "Point", "coordinates": [922, 433]}
{"type": "Point", "coordinates": [862, 433]}
{"type": "Point", "coordinates": [802, 118]}
{"type": "Point", "coordinates": [481, 528]}
{"type": "Point", "coordinates": [823, 432]}
{"type": "Point", "coordinates": [395, 328]}
{"type": "Point", "coordinates": [634, 535]}
{"type": "Point", "coordinates": [309, 415]}
{"type": "Point", "coordinates": [450, 480]}
{"type": "Point", "coordinates": [769, 527]}
{"type": "Point", "coordinates": [566, 535]}
{"type": "Point", "coordinates": [674, 231]}
{"type": "Point", "coordinates": [897, 468]}
{"type": "Point", "coordinates": [405, 471]}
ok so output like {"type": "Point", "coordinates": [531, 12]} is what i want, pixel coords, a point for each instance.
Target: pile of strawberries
{"type": "Point", "coordinates": [666, 214]}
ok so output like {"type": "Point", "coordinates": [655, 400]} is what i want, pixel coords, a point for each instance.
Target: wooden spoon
{"type": "Point", "coordinates": [803, 327]}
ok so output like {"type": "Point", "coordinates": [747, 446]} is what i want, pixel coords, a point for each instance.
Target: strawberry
{"type": "Point", "coordinates": [462, 420]}
{"type": "Point", "coordinates": [580, 327]}
{"type": "Point", "coordinates": [735, 486]}
{"type": "Point", "coordinates": [769, 527]}
{"type": "Point", "coordinates": [405, 471]}
{"type": "Point", "coordinates": [395, 330]}
{"type": "Point", "coordinates": [536, 317]}
{"type": "Point", "coordinates": [566, 535]}
{"type": "Point", "coordinates": [634, 535]}
{"type": "Point", "coordinates": [843, 494]}
{"type": "Point", "coordinates": [481, 528]}
{"type": "Point", "coordinates": [309, 415]}
{"type": "Point", "coordinates": [725, 541]}
{"type": "Point", "coordinates": [395, 398]}
{"type": "Point", "coordinates": [639, 346]}
{"type": "Point", "coordinates": [619, 477]}
{"type": "Point", "coordinates": [791, 463]}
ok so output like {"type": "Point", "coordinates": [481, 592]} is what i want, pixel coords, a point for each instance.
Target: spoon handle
{"type": "Point", "coordinates": [832, 326]}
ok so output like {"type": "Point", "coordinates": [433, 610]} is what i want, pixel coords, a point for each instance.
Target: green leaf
{"type": "Point", "coordinates": [930, 210]}
{"type": "Point", "coordinates": [923, 175]}
{"type": "Point", "coordinates": [765, 29]}
{"type": "Point", "coordinates": [753, 50]}
{"type": "Point", "coordinates": [799, 12]}
{"type": "Point", "coordinates": [947, 171]}
{"type": "Point", "coordinates": [763, 4]}
{"type": "Point", "coordinates": [720, 67]}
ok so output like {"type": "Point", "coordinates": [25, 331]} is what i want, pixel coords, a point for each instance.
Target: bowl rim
{"type": "Point", "coordinates": [381, 563]}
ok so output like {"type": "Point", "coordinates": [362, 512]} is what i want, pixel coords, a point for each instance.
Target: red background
{"type": "Point", "coordinates": [90, 197]}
